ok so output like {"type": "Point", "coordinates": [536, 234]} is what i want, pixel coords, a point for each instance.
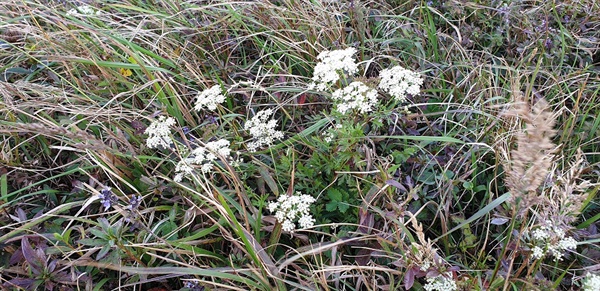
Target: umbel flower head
{"type": "Point", "coordinates": [331, 65]}
{"type": "Point", "coordinates": [550, 239]}
{"type": "Point", "coordinates": [204, 156]}
{"type": "Point", "coordinates": [398, 81]}
{"type": "Point", "coordinates": [209, 98]}
{"type": "Point", "coordinates": [262, 130]}
{"type": "Point", "coordinates": [289, 209]}
{"type": "Point", "coordinates": [591, 282]}
{"type": "Point", "coordinates": [159, 133]}
{"type": "Point", "coordinates": [355, 96]}
{"type": "Point", "coordinates": [441, 283]}
{"type": "Point", "coordinates": [84, 10]}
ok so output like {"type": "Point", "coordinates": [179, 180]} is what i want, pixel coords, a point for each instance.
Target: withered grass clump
{"type": "Point", "coordinates": [531, 161]}
{"type": "Point", "coordinates": [568, 193]}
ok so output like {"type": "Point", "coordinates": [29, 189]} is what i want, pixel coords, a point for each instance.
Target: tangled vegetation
{"type": "Point", "coordinates": [299, 145]}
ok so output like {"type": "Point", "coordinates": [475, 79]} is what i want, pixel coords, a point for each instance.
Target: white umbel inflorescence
{"type": "Point", "coordinates": [441, 283]}
{"type": "Point", "coordinates": [331, 65]}
{"type": "Point", "coordinates": [355, 96]}
{"type": "Point", "coordinates": [209, 98]}
{"type": "Point", "coordinates": [262, 130]}
{"type": "Point", "coordinates": [159, 132]}
{"type": "Point", "coordinates": [83, 10]}
{"type": "Point", "coordinates": [550, 240]}
{"type": "Point", "coordinates": [398, 81]}
{"type": "Point", "coordinates": [289, 209]}
{"type": "Point", "coordinates": [591, 282]}
{"type": "Point", "coordinates": [204, 156]}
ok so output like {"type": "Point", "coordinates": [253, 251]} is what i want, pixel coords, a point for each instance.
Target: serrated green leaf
{"type": "Point", "coordinates": [343, 207]}
{"type": "Point", "coordinates": [334, 194]}
{"type": "Point", "coordinates": [331, 206]}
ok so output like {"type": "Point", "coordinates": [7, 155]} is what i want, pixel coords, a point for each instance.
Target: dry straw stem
{"type": "Point", "coordinates": [531, 161]}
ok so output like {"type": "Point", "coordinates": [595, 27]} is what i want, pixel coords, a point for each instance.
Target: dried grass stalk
{"type": "Point", "coordinates": [531, 161]}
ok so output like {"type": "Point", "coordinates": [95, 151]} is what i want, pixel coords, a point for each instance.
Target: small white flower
{"type": "Point", "coordinates": [289, 209]}
{"type": "Point", "coordinates": [356, 96]}
{"type": "Point", "coordinates": [84, 10]}
{"type": "Point", "coordinates": [540, 233]}
{"type": "Point", "coordinates": [559, 232]}
{"type": "Point", "coordinates": [262, 130]}
{"type": "Point", "coordinates": [206, 168]}
{"type": "Point", "coordinates": [203, 156]}
{"type": "Point", "coordinates": [273, 206]}
{"type": "Point", "coordinates": [306, 221]}
{"type": "Point", "coordinates": [549, 240]}
{"type": "Point", "coordinates": [568, 243]}
{"type": "Point", "coordinates": [591, 282]}
{"type": "Point", "coordinates": [399, 81]}
{"type": "Point", "coordinates": [178, 177]}
{"type": "Point", "coordinates": [538, 252]}
{"type": "Point", "coordinates": [184, 167]}
{"type": "Point", "coordinates": [159, 133]}
{"type": "Point", "coordinates": [287, 225]}
{"type": "Point", "coordinates": [441, 283]}
{"type": "Point", "coordinates": [209, 98]}
{"type": "Point", "coordinates": [220, 147]}
{"type": "Point", "coordinates": [425, 266]}
{"type": "Point", "coordinates": [331, 64]}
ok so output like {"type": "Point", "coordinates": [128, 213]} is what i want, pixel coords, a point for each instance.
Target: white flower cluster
{"type": "Point", "coordinates": [203, 156]}
{"type": "Point", "coordinates": [398, 81]}
{"type": "Point", "coordinates": [357, 96]}
{"type": "Point", "coordinates": [331, 64]}
{"type": "Point", "coordinates": [331, 133]}
{"type": "Point", "coordinates": [591, 282]}
{"type": "Point", "coordinates": [84, 10]}
{"type": "Point", "coordinates": [209, 98]}
{"type": "Point", "coordinates": [262, 130]}
{"type": "Point", "coordinates": [551, 241]}
{"type": "Point", "coordinates": [288, 209]}
{"type": "Point", "coordinates": [159, 133]}
{"type": "Point", "coordinates": [441, 283]}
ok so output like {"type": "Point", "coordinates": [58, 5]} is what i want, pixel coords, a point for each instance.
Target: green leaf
{"type": "Point", "coordinates": [98, 233]}
{"type": "Point", "coordinates": [4, 188]}
{"type": "Point", "coordinates": [334, 194]}
{"type": "Point", "coordinates": [331, 206]}
{"type": "Point", "coordinates": [343, 207]}
{"type": "Point", "coordinates": [468, 185]}
{"type": "Point", "coordinates": [102, 253]}
{"type": "Point", "coordinates": [92, 242]}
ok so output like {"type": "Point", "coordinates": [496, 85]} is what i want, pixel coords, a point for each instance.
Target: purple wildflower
{"type": "Point", "coordinates": [548, 43]}
{"type": "Point", "coordinates": [134, 202]}
{"type": "Point", "coordinates": [107, 198]}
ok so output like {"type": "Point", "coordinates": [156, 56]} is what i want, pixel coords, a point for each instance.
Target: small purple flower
{"type": "Point", "coordinates": [107, 198]}
{"type": "Point", "coordinates": [188, 133]}
{"type": "Point", "coordinates": [548, 43]}
{"type": "Point", "coordinates": [211, 119]}
{"type": "Point", "coordinates": [505, 12]}
{"type": "Point", "coordinates": [193, 286]}
{"type": "Point", "coordinates": [134, 202]}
